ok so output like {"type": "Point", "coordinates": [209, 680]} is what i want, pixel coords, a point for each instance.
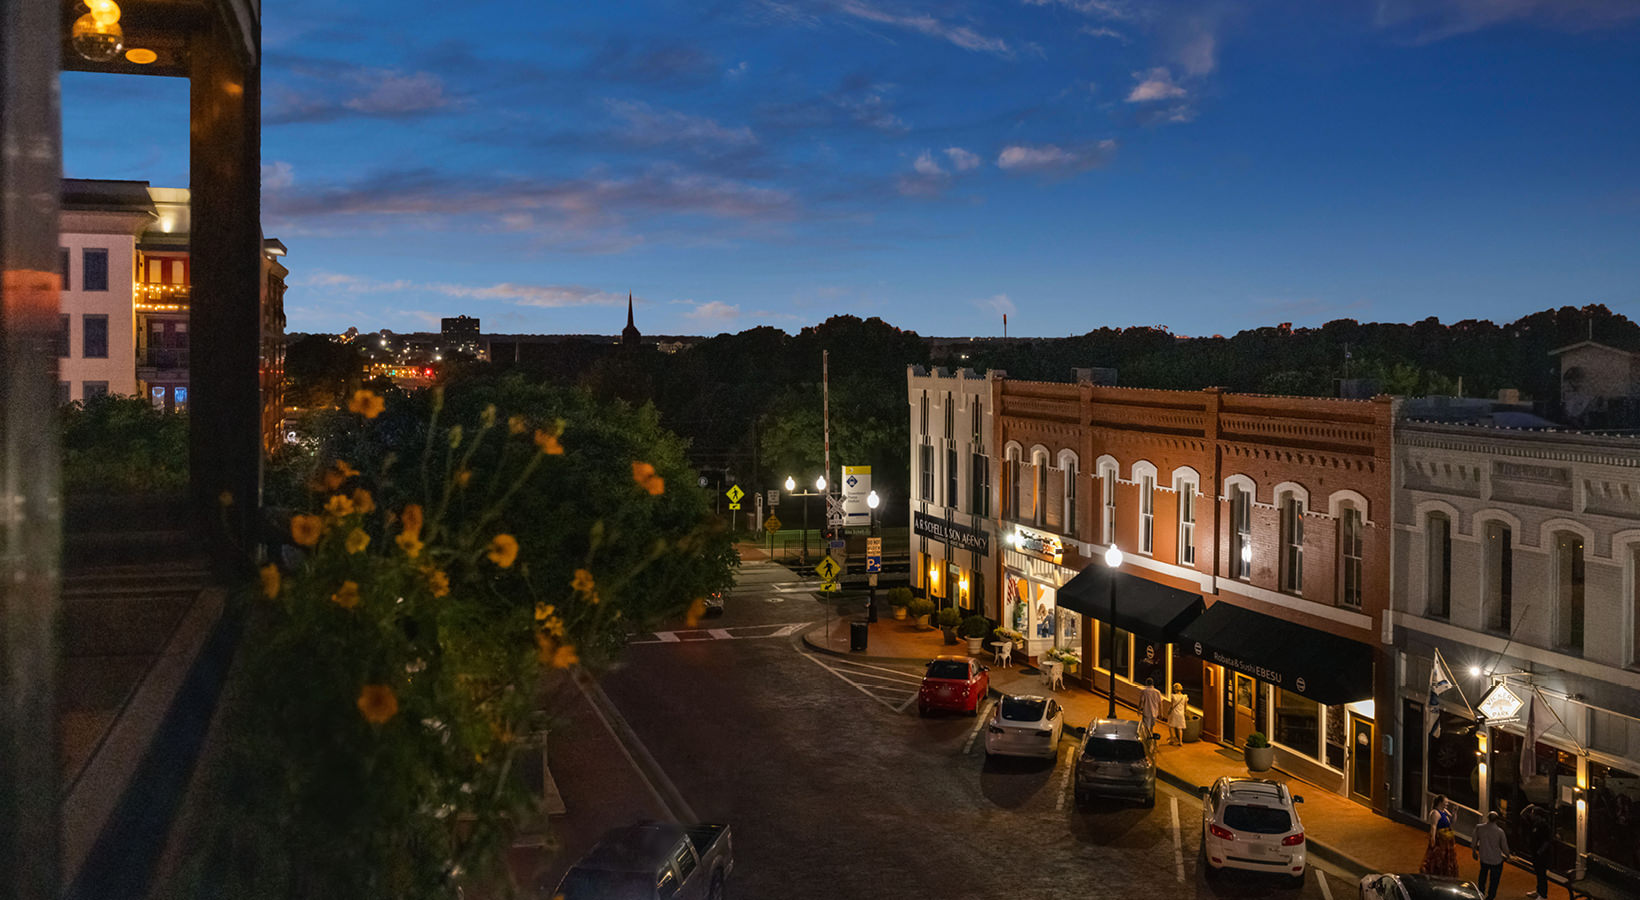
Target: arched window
{"type": "Point", "coordinates": [1351, 569]}
{"type": "Point", "coordinates": [1147, 512]}
{"type": "Point", "coordinates": [1039, 499]}
{"type": "Point", "coordinates": [1438, 565]}
{"type": "Point", "coordinates": [1498, 576]}
{"type": "Point", "coordinates": [1107, 499]}
{"type": "Point", "coordinates": [1068, 469]}
{"type": "Point", "coordinates": [1014, 462]}
{"type": "Point", "coordinates": [1631, 593]}
{"type": "Point", "coordinates": [1241, 531]}
{"type": "Point", "coordinates": [1185, 486]}
{"type": "Point", "coordinates": [1292, 542]}
{"type": "Point", "coordinates": [1568, 592]}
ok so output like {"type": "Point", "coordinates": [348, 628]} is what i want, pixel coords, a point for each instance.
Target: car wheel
{"type": "Point", "coordinates": [716, 892]}
{"type": "Point", "coordinates": [922, 711]}
{"type": "Point", "coordinates": [974, 710]}
{"type": "Point", "coordinates": [1150, 802]}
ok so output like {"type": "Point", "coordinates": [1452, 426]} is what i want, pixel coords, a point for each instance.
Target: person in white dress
{"type": "Point", "coordinates": [1176, 704]}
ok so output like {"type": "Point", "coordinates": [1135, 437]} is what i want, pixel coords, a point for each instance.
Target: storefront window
{"type": "Point", "coordinates": [1042, 611]}
{"type": "Point", "coordinates": [1454, 769]}
{"type": "Point", "coordinates": [1298, 723]}
{"type": "Point", "coordinates": [1337, 736]}
{"type": "Point", "coordinates": [1070, 637]}
{"type": "Point", "coordinates": [1150, 662]}
{"type": "Point", "coordinates": [1554, 773]}
{"type": "Point", "coordinates": [1014, 603]}
{"type": "Point", "coordinates": [1187, 670]}
{"type": "Point", "coordinates": [1108, 636]}
{"type": "Point", "coordinates": [1614, 816]}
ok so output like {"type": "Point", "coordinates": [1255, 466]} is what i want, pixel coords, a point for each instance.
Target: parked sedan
{"type": "Point", "coordinates": [1417, 887]}
{"type": "Point", "coordinates": [1025, 726]}
{"type": "Point", "coordinates": [956, 683]}
{"type": "Point", "coordinates": [1252, 824]}
{"type": "Point", "coordinates": [1116, 760]}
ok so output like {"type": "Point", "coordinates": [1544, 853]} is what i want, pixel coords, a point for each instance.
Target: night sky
{"type": "Point", "coordinates": [1208, 166]}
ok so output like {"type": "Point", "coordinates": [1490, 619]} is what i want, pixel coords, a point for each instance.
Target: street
{"type": "Point", "coordinates": [835, 788]}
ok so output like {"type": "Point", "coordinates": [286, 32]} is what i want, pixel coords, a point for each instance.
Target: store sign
{"type": "Point", "coordinates": [856, 488]}
{"type": "Point", "coordinates": [952, 534]}
{"type": "Point", "coordinates": [1044, 545]}
{"type": "Point", "coordinates": [1500, 706]}
{"type": "Point", "coordinates": [1262, 673]}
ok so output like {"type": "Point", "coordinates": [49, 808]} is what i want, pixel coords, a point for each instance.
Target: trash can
{"type": "Point", "coordinates": [857, 636]}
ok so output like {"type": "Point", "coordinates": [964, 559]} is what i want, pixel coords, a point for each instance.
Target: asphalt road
{"type": "Point", "coordinates": [835, 788]}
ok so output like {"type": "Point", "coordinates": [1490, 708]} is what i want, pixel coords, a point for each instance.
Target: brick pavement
{"type": "Point", "coordinates": [1340, 831]}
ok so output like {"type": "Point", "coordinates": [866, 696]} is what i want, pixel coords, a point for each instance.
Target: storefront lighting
{"type": "Point", "coordinates": [97, 35]}
{"type": "Point", "coordinates": [934, 574]}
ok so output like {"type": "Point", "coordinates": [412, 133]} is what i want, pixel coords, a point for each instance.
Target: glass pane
{"type": "Point", "coordinates": [1298, 723]}
{"type": "Point", "coordinates": [1453, 767]}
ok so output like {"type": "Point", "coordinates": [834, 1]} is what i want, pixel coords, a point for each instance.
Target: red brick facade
{"type": "Point", "coordinates": [1327, 453]}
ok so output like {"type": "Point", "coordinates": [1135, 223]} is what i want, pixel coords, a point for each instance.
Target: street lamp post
{"type": "Point", "coordinates": [871, 578]}
{"type": "Point", "coordinates": [791, 488]}
{"type": "Point", "coordinates": [1113, 559]}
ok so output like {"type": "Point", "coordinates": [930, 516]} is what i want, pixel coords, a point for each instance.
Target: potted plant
{"type": "Point", "coordinates": [1260, 755]}
{"type": "Point", "coordinates": [898, 598]}
{"type": "Point", "coordinates": [974, 629]}
{"type": "Point", "coordinates": [919, 610]}
{"type": "Point", "coordinates": [1009, 634]}
{"type": "Point", "coordinates": [949, 618]}
{"type": "Point", "coordinates": [1070, 658]}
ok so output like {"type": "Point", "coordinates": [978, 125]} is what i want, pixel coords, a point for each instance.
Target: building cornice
{"type": "Point", "coordinates": [1557, 446]}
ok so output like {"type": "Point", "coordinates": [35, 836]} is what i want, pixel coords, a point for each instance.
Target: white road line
{"type": "Point", "coordinates": [899, 672]}
{"type": "Point", "coordinates": [720, 634]}
{"type": "Point", "coordinates": [654, 777]}
{"type": "Point", "coordinates": [666, 637]}
{"type": "Point", "coordinates": [787, 630]}
{"type": "Point", "coordinates": [1320, 876]}
{"type": "Point", "coordinates": [908, 701]}
{"type": "Point", "coordinates": [1064, 782]}
{"type": "Point", "coordinates": [846, 681]}
{"type": "Point", "coordinates": [880, 677]}
{"type": "Point", "coordinates": [1178, 843]}
{"type": "Point", "coordinates": [983, 721]}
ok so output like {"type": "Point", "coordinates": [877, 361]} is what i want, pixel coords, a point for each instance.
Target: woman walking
{"type": "Point", "coordinates": [1442, 856]}
{"type": "Point", "coordinates": [1175, 715]}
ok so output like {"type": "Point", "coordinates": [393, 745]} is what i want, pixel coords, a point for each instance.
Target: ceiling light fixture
{"type": "Point", "coordinates": [97, 35]}
{"type": "Point", "coordinates": [142, 56]}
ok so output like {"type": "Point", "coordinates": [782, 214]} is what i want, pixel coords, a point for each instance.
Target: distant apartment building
{"type": "Point", "coordinates": [271, 373]}
{"type": "Point", "coordinates": [1599, 385]}
{"type": "Point", "coordinates": [1518, 561]}
{"type": "Point", "coordinates": [460, 335]}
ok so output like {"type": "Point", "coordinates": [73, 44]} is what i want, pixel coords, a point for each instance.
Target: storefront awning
{"type": "Point", "coordinates": [1324, 667]}
{"type": "Point", "coordinates": [1147, 608]}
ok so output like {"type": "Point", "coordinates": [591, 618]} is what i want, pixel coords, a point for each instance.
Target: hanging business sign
{"type": "Point", "coordinates": [951, 534]}
{"type": "Point", "coordinates": [1045, 546]}
{"type": "Point", "coordinates": [1500, 706]}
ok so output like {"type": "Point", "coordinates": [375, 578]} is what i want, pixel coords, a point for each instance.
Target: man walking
{"type": "Point", "coordinates": [1540, 843]}
{"type": "Point", "coordinates": [1150, 706]}
{"type": "Point", "coordinates": [1491, 848]}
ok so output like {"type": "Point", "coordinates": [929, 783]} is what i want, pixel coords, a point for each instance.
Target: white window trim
{"type": "Point", "coordinates": [1147, 510]}
{"type": "Point", "coordinates": [1186, 481]}
{"type": "Point", "coordinates": [1142, 468]}
{"type": "Point", "coordinates": [1231, 482]}
{"type": "Point", "coordinates": [1109, 476]}
{"type": "Point", "coordinates": [1337, 500]}
{"type": "Point", "coordinates": [1283, 491]}
{"type": "Point", "coordinates": [1296, 489]}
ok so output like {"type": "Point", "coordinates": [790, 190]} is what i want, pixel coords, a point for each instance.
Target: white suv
{"type": "Point", "coordinates": [1252, 824]}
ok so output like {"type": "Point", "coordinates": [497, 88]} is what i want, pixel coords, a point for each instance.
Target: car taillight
{"type": "Point", "coordinates": [1293, 840]}
{"type": "Point", "coordinates": [1222, 833]}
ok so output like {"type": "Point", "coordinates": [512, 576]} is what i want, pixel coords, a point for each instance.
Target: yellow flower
{"type": "Point", "coordinates": [564, 657]}
{"type": "Point", "coordinates": [411, 517]}
{"type": "Point", "coordinates": [330, 481]}
{"type": "Point", "coordinates": [366, 403]}
{"type": "Point", "coordinates": [583, 582]}
{"type": "Point", "coordinates": [438, 583]}
{"type": "Point", "coordinates": [409, 543]}
{"type": "Point", "coordinates": [464, 476]}
{"type": "Point", "coordinates": [487, 417]}
{"type": "Point", "coordinates": [548, 443]}
{"type": "Point", "coordinates": [357, 540]}
{"type": "Point", "coordinates": [503, 550]}
{"type": "Point", "coordinates": [347, 596]}
{"type": "Point", "coordinates": [455, 437]}
{"type": "Point", "coordinates": [304, 529]}
{"type": "Point", "coordinates": [345, 470]}
{"type": "Point", "coordinates": [377, 703]}
{"type": "Point", "coordinates": [542, 611]}
{"type": "Point", "coordinates": [644, 474]}
{"type": "Point", "coordinates": [363, 503]}
{"type": "Point", "coordinates": [555, 653]}
{"type": "Point", "coordinates": [697, 609]}
{"type": "Point", "coordinates": [270, 580]}
{"type": "Point", "coordinates": [515, 424]}
{"type": "Point", "coordinates": [339, 506]}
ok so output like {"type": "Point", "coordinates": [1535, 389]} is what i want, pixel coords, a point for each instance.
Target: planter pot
{"type": "Point", "coordinates": [899, 612]}
{"type": "Point", "coordinates": [976, 645]}
{"type": "Point", "coordinates": [1192, 729]}
{"type": "Point", "coordinates": [1260, 759]}
{"type": "Point", "coordinates": [1071, 668]}
{"type": "Point", "coordinates": [950, 635]}
{"type": "Point", "coordinates": [922, 621]}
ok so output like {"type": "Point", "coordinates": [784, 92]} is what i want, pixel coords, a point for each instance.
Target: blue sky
{"type": "Point", "coordinates": [1208, 166]}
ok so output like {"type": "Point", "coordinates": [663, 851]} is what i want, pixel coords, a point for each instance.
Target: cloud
{"type": "Point", "coordinates": [659, 63]}
{"type": "Point", "coordinates": [357, 91]}
{"type": "Point", "coordinates": [1119, 10]}
{"type": "Point", "coordinates": [1100, 31]}
{"type": "Point", "coordinates": [646, 124]}
{"type": "Point", "coordinates": [1195, 47]}
{"type": "Point", "coordinates": [1429, 21]}
{"type": "Point", "coordinates": [540, 295]}
{"type": "Point", "coordinates": [997, 303]}
{"type": "Point", "coordinates": [961, 159]}
{"type": "Point", "coordinates": [925, 165]}
{"type": "Point", "coordinates": [712, 311]}
{"type": "Point", "coordinates": [960, 35]}
{"type": "Point", "coordinates": [277, 175]}
{"type": "Point", "coordinates": [1051, 159]}
{"type": "Point", "coordinates": [1156, 84]}
{"type": "Point", "coordinates": [737, 71]}
{"type": "Point", "coordinates": [858, 100]}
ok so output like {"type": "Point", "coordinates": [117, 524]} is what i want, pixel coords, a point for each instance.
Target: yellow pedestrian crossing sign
{"type": "Point", "coordinates": [734, 494]}
{"type": "Point", "coordinates": [771, 524]}
{"type": "Point", "coordinates": [828, 569]}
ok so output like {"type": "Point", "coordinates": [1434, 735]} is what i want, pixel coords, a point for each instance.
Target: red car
{"type": "Point", "coordinates": [956, 683]}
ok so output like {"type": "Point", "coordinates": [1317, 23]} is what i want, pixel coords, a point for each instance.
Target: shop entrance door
{"type": "Point", "coordinates": [1411, 751]}
{"type": "Point", "coordinates": [1246, 690]}
{"type": "Point", "coordinates": [1361, 759]}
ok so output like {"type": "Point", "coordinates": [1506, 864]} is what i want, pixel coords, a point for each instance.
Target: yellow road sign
{"type": "Point", "coordinates": [828, 569]}
{"type": "Point", "coordinates": [734, 494]}
{"type": "Point", "coordinates": [771, 524]}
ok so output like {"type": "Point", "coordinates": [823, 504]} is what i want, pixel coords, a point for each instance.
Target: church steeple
{"type": "Point", "coordinates": [629, 334]}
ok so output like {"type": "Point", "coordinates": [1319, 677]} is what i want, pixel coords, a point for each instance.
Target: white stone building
{"type": "Point", "coordinates": [954, 499]}
{"type": "Point", "coordinates": [98, 231]}
{"type": "Point", "coordinates": [1517, 557]}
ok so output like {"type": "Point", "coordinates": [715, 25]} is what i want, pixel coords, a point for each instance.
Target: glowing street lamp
{"type": "Point", "coordinates": [1113, 559]}
{"type": "Point", "coordinates": [791, 488]}
{"type": "Point", "coordinates": [871, 592]}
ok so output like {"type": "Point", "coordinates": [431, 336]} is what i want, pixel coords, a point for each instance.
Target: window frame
{"type": "Point", "coordinates": [1497, 576]}
{"type": "Point", "coordinates": [1351, 552]}
{"type": "Point", "coordinates": [1291, 507]}
{"type": "Point", "coordinates": [1241, 532]}
{"type": "Point", "coordinates": [86, 320]}
{"type": "Point", "coordinates": [87, 282]}
{"type": "Point", "coordinates": [1438, 585]}
{"type": "Point", "coordinates": [1185, 487]}
{"type": "Point", "coordinates": [1570, 634]}
{"type": "Point", "coordinates": [1107, 501]}
{"type": "Point", "coordinates": [1147, 513]}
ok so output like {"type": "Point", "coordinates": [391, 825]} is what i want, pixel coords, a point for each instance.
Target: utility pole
{"type": "Point", "coordinates": [825, 415]}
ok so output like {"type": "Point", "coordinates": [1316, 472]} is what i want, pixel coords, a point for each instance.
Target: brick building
{"type": "Point", "coordinates": [1255, 534]}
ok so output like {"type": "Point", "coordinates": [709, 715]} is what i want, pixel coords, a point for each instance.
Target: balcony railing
{"type": "Point", "coordinates": [162, 357]}
{"type": "Point", "coordinates": [161, 297]}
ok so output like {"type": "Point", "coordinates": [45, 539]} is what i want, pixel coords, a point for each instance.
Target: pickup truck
{"type": "Point", "coordinates": [651, 861]}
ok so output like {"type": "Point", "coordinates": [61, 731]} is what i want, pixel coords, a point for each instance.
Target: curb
{"type": "Point", "coordinates": [1329, 855]}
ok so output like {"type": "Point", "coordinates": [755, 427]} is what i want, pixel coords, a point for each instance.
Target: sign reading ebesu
{"type": "Point", "coordinates": [951, 534]}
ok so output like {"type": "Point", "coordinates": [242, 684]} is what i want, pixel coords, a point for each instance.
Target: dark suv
{"type": "Point", "coordinates": [1116, 760]}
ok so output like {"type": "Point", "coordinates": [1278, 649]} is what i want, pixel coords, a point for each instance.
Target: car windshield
{"type": "Point", "coordinates": [1112, 750]}
{"type": "Point", "coordinates": [1023, 709]}
{"type": "Point", "coordinates": [1257, 819]}
{"type": "Point", "coordinates": [948, 668]}
{"type": "Point", "coordinates": [581, 884]}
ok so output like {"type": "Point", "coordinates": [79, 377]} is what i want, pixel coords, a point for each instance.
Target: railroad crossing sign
{"type": "Point", "coordinates": [827, 569]}
{"type": "Point", "coordinates": [734, 494]}
{"type": "Point", "coordinates": [771, 524]}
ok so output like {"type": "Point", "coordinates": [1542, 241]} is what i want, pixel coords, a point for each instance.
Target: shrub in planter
{"type": "Point", "coordinates": [948, 619]}
{"type": "Point", "coordinates": [920, 610]}
{"type": "Point", "coordinates": [898, 598]}
{"type": "Point", "coordinates": [975, 627]}
{"type": "Point", "coordinates": [1260, 755]}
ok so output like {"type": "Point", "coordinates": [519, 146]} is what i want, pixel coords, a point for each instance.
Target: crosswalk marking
{"type": "Point", "coordinates": [737, 633]}
{"type": "Point", "coordinates": [894, 689]}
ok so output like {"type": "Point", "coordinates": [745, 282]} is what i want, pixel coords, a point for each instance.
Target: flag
{"type": "Point", "coordinates": [1440, 679]}
{"type": "Point", "coordinates": [1536, 725]}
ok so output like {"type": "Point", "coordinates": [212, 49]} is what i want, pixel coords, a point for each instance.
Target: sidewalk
{"type": "Point", "coordinates": [1339, 831]}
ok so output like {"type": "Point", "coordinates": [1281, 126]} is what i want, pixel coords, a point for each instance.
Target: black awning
{"type": "Point", "coordinates": [1147, 608]}
{"type": "Point", "coordinates": [1324, 667]}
